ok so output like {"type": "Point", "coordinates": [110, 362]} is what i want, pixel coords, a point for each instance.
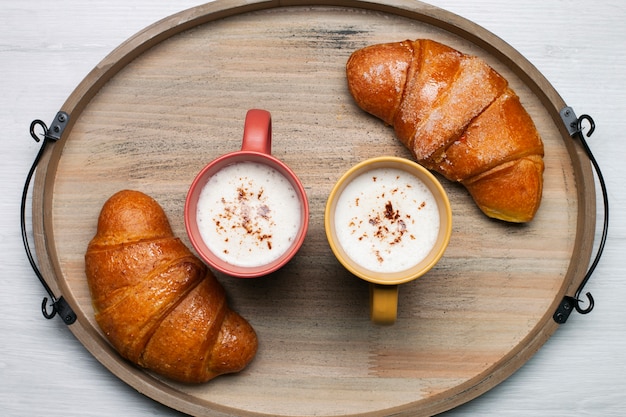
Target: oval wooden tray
{"type": "Point", "coordinates": [174, 96]}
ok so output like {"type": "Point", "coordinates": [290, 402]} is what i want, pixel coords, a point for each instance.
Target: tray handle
{"type": "Point", "coordinates": [50, 135]}
{"type": "Point", "coordinates": [575, 128]}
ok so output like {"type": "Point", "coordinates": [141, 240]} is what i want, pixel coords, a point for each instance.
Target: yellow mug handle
{"type": "Point", "coordinates": [383, 303]}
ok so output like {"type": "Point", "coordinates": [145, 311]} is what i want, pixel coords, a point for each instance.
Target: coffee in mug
{"type": "Point", "coordinates": [388, 221]}
{"type": "Point", "coordinates": [248, 214]}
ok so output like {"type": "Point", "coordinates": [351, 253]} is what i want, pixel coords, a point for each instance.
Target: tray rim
{"type": "Point", "coordinates": [163, 29]}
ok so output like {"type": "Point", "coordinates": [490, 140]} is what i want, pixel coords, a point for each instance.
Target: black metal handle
{"type": "Point", "coordinates": [568, 304]}
{"type": "Point", "coordinates": [58, 305]}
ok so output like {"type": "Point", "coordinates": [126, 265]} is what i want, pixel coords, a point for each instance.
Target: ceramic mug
{"type": "Point", "coordinates": [388, 221]}
{"type": "Point", "coordinates": [246, 212]}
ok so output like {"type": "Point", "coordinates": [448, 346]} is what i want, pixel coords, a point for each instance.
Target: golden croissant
{"type": "Point", "coordinates": [458, 117]}
{"type": "Point", "coordinates": [157, 303]}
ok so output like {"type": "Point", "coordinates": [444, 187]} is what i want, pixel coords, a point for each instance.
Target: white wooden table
{"type": "Point", "coordinates": [47, 48]}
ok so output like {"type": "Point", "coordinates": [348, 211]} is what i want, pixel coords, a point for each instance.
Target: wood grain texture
{"type": "Point", "coordinates": [152, 122]}
{"type": "Point", "coordinates": [532, 381]}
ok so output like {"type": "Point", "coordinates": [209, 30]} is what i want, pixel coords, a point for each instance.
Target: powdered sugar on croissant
{"type": "Point", "coordinates": [458, 117]}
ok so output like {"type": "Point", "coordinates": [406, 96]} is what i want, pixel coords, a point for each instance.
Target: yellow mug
{"type": "Point", "coordinates": [388, 221]}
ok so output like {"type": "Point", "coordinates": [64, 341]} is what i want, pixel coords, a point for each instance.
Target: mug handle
{"type": "Point", "coordinates": [383, 303]}
{"type": "Point", "coordinates": [257, 132]}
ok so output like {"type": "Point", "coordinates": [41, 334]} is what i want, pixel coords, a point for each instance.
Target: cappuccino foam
{"type": "Point", "coordinates": [386, 220]}
{"type": "Point", "coordinates": [248, 214]}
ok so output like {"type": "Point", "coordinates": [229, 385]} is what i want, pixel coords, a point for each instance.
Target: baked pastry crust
{"type": "Point", "coordinates": [156, 302]}
{"type": "Point", "coordinates": [458, 117]}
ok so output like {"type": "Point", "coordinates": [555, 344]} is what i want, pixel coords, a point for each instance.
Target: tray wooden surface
{"type": "Point", "coordinates": [174, 96]}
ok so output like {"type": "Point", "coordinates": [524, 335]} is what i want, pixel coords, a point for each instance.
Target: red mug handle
{"type": "Point", "coordinates": [257, 132]}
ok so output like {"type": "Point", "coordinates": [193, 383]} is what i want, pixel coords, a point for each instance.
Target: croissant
{"type": "Point", "coordinates": [458, 117]}
{"type": "Point", "coordinates": [157, 303]}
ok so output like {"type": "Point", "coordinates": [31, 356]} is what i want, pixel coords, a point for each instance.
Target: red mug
{"type": "Point", "coordinates": [246, 212]}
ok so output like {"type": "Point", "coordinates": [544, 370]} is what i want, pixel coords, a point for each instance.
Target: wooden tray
{"type": "Point", "coordinates": [174, 96]}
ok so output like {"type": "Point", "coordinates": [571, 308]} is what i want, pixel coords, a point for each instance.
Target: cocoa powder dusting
{"type": "Point", "coordinates": [246, 216]}
{"type": "Point", "coordinates": [389, 224]}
